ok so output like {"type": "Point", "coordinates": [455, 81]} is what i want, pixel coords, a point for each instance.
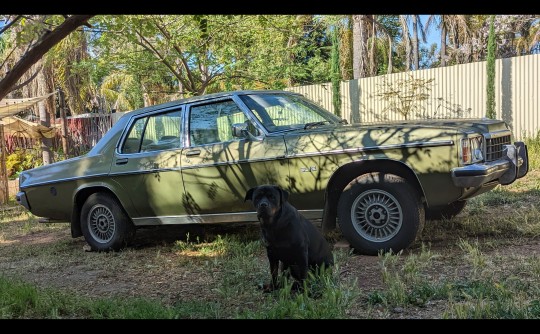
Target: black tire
{"type": "Point", "coordinates": [104, 224]}
{"type": "Point", "coordinates": [380, 213]}
{"type": "Point", "coordinates": [445, 212]}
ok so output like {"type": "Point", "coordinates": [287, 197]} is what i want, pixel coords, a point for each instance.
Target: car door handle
{"type": "Point", "coordinates": [122, 161]}
{"type": "Point", "coordinates": [193, 152]}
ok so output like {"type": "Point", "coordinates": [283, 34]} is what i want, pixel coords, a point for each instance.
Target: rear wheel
{"type": "Point", "coordinates": [445, 212]}
{"type": "Point", "coordinates": [380, 212]}
{"type": "Point", "coordinates": [104, 224]}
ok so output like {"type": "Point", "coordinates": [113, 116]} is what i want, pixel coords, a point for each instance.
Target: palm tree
{"type": "Point", "coordinates": [417, 26]}
{"type": "Point", "coordinates": [456, 24]}
{"type": "Point", "coordinates": [406, 37]}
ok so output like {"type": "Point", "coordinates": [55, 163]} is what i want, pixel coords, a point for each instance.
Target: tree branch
{"type": "Point", "coordinates": [6, 27]}
{"type": "Point", "coordinates": [27, 81]}
{"type": "Point", "coordinates": [180, 54]}
{"type": "Point", "coordinates": [45, 44]}
{"type": "Point", "coordinates": [148, 46]}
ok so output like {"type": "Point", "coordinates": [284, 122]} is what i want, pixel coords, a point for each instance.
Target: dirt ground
{"type": "Point", "coordinates": [150, 269]}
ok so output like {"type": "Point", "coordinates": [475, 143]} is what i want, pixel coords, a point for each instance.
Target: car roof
{"type": "Point", "coordinates": [205, 97]}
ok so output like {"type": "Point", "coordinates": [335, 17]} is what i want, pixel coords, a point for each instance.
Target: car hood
{"type": "Point", "coordinates": [389, 134]}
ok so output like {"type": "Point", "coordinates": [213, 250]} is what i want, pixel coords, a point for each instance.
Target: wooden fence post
{"type": "Point", "coordinates": [4, 190]}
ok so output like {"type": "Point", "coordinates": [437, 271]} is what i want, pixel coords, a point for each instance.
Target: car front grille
{"type": "Point", "coordinates": [495, 147]}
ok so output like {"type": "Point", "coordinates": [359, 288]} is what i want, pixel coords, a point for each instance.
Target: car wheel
{"type": "Point", "coordinates": [446, 212]}
{"type": "Point", "coordinates": [380, 212]}
{"type": "Point", "coordinates": [104, 224]}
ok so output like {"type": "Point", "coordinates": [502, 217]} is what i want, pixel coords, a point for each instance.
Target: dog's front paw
{"type": "Point", "coordinates": [297, 287]}
{"type": "Point", "coordinates": [266, 288]}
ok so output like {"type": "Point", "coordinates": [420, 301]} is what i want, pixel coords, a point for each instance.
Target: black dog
{"type": "Point", "coordinates": [288, 236]}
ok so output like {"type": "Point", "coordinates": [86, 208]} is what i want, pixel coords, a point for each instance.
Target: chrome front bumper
{"type": "Point", "coordinates": [506, 170]}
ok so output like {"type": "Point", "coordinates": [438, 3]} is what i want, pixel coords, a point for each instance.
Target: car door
{"type": "Point", "coordinates": [218, 168]}
{"type": "Point", "coordinates": [147, 166]}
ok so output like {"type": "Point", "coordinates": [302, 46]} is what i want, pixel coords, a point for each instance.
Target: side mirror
{"type": "Point", "coordinates": [239, 130]}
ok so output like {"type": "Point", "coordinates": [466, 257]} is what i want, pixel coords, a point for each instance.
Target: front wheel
{"type": "Point", "coordinates": [104, 224]}
{"type": "Point", "coordinates": [380, 212]}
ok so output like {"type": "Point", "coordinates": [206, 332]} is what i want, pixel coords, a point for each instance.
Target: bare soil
{"type": "Point", "coordinates": [50, 258]}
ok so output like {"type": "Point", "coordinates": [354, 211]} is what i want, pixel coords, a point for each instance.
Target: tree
{"type": "Point", "coordinates": [405, 97]}
{"type": "Point", "coordinates": [45, 42]}
{"type": "Point", "coordinates": [336, 77]}
{"type": "Point", "coordinates": [359, 35]}
{"type": "Point", "coordinates": [412, 44]}
{"type": "Point", "coordinates": [490, 100]}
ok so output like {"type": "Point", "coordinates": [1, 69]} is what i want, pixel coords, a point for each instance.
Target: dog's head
{"type": "Point", "coordinates": [267, 200]}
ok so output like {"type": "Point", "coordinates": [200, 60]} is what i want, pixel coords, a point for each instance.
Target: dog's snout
{"type": "Point", "coordinates": [263, 204]}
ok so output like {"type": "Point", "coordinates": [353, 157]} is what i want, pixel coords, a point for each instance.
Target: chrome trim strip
{"type": "Point", "coordinates": [62, 180]}
{"type": "Point", "coordinates": [497, 134]}
{"type": "Point", "coordinates": [238, 217]}
{"type": "Point", "coordinates": [235, 162]}
{"type": "Point", "coordinates": [147, 171]}
{"type": "Point", "coordinates": [378, 148]}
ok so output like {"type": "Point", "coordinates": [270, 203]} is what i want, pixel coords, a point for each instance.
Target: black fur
{"type": "Point", "coordinates": [289, 237]}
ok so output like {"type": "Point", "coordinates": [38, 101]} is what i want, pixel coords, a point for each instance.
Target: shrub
{"type": "Point", "coordinates": [22, 159]}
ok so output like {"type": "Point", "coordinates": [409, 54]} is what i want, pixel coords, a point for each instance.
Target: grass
{"type": "Point", "coordinates": [484, 263]}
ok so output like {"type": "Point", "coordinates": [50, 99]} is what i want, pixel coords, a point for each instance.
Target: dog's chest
{"type": "Point", "coordinates": [281, 240]}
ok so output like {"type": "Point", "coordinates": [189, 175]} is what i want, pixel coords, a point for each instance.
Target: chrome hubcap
{"type": "Point", "coordinates": [101, 223]}
{"type": "Point", "coordinates": [376, 215]}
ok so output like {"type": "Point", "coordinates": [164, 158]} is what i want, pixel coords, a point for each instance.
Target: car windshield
{"type": "Point", "coordinates": [286, 112]}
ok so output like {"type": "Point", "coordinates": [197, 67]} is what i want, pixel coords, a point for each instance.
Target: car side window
{"type": "Point", "coordinates": [154, 133]}
{"type": "Point", "coordinates": [212, 123]}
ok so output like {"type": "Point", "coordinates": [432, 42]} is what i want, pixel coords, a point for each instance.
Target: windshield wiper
{"type": "Point", "coordinates": [313, 124]}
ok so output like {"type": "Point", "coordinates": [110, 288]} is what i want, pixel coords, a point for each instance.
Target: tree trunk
{"type": "Point", "coordinates": [44, 118]}
{"type": "Point", "coordinates": [373, 49]}
{"type": "Point", "coordinates": [359, 52]}
{"type": "Point", "coordinates": [443, 44]}
{"type": "Point", "coordinates": [416, 49]}
{"type": "Point", "coordinates": [36, 52]}
{"type": "Point", "coordinates": [62, 106]}
{"type": "Point", "coordinates": [406, 40]}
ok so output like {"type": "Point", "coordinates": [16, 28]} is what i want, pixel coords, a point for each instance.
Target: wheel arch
{"type": "Point", "coordinates": [349, 172]}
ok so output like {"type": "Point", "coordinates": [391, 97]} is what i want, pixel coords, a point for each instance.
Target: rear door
{"type": "Point", "coordinates": [147, 166]}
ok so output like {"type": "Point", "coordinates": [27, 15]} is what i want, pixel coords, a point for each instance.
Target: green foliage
{"type": "Point", "coordinates": [490, 89]}
{"type": "Point", "coordinates": [336, 75]}
{"type": "Point", "coordinates": [22, 159]}
{"type": "Point", "coordinates": [405, 96]}
{"type": "Point", "coordinates": [533, 145]}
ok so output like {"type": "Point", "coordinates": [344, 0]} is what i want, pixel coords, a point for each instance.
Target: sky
{"type": "Point", "coordinates": [433, 35]}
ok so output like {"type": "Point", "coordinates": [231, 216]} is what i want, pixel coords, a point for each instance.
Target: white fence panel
{"type": "Point", "coordinates": [457, 91]}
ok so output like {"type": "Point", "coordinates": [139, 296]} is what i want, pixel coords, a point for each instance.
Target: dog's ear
{"type": "Point", "coordinates": [284, 195]}
{"type": "Point", "coordinates": [249, 194]}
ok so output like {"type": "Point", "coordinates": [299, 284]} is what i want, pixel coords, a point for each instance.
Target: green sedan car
{"type": "Point", "coordinates": [191, 161]}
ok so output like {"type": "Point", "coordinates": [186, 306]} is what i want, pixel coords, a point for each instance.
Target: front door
{"type": "Point", "coordinates": [218, 168]}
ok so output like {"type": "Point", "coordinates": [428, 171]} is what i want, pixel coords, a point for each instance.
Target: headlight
{"type": "Point", "coordinates": [471, 150]}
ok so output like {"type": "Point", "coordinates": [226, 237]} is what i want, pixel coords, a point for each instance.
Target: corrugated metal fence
{"type": "Point", "coordinates": [452, 91]}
